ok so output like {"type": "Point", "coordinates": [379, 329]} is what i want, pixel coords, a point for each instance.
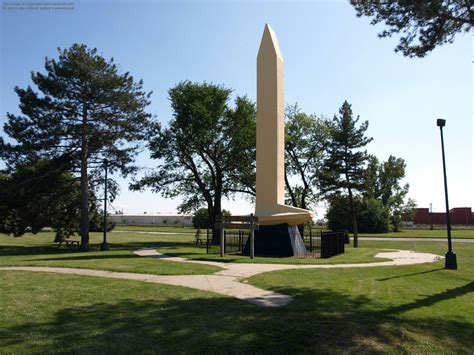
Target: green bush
{"type": "Point", "coordinates": [371, 216]}
{"type": "Point", "coordinates": [96, 222]}
{"type": "Point", "coordinates": [201, 219]}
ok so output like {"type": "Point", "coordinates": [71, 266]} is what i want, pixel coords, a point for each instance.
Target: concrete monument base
{"type": "Point", "coordinates": [280, 213]}
{"type": "Point", "coordinates": [279, 240]}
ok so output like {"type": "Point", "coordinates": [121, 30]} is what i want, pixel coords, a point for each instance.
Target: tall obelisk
{"type": "Point", "coordinates": [270, 199]}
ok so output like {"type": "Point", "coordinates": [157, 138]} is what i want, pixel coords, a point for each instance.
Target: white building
{"type": "Point", "coordinates": [152, 219]}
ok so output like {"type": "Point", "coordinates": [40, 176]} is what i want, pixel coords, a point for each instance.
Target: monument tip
{"type": "Point", "coordinates": [269, 42]}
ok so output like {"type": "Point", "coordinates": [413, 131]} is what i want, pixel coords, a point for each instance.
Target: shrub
{"type": "Point", "coordinates": [201, 219]}
{"type": "Point", "coordinates": [96, 222]}
{"type": "Point", "coordinates": [371, 216]}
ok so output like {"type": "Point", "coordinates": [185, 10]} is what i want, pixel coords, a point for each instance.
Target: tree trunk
{"type": "Point", "coordinates": [290, 191]}
{"type": "Point", "coordinates": [84, 185]}
{"type": "Point", "coordinates": [217, 214]}
{"type": "Point", "coordinates": [303, 206]}
{"type": "Point", "coordinates": [301, 229]}
{"type": "Point", "coordinates": [212, 221]}
{"type": "Point", "coordinates": [59, 238]}
{"type": "Point", "coordinates": [354, 219]}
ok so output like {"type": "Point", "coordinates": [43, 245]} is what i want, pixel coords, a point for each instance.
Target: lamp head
{"type": "Point", "coordinates": [440, 122]}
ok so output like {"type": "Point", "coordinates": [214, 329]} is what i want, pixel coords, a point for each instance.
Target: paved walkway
{"type": "Point", "coordinates": [227, 281]}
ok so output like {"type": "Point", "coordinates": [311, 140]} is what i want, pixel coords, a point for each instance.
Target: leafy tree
{"type": "Point", "coordinates": [372, 216]}
{"type": "Point", "coordinates": [42, 193]}
{"type": "Point", "coordinates": [201, 218]}
{"type": "Point", "coordinates": [423, 25]}
{"type": "Point", "coordinates": [96, 216]}
{"type": "Point", "coordinates": [382, 182]}
{"type": "Point", "coordinates": [392, 193]}
{"type": "Point", "coordinates": [343, 168]}
{"type": "Point", "coordinates": [408, 210]}
{"type": "Point", "coordinates": [305, 146]}
{"type": "Point", "coordinates": [39, 194]}
{"type": "Point", "coordinates": [207, 152]}
{"type": "Point", "coordinates": [371, 178]}
{"type": "Point", "coordinates": [87, 111]}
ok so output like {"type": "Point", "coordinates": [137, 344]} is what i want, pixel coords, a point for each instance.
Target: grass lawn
{"type": "Point", "coordinates": [170, 229]}
{"type": "Point", "coordinates": [410, 309]}
{"type": "Point", "coordinates": [405, 309]}
{"type": "Point", "coordinates": [424, 233]}
{"type": "Point", "coordinates": [352, 255]}
{"type": "Point", "coordinates": [408, 233]}
{"type": "Point", "coordinates": [38, 250]}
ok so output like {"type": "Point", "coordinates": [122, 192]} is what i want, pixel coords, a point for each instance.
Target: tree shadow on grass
{"type": "Point", "coordinates": [27, 250]}
{"type": "Point", "coordinates": [196, 256]}
{"type": "Point", "coordinates": [432, 299]}
{"type": "Point", "coordinates": [16, 250]}
{"type": "Point", "coordinates": [320, 321]}
{"type": "Point", "coordinates": [143, 245]}
{"type": "Point", "coordinates": [412, 274]}
{"type": "Point", "coordinates": [90, 257]}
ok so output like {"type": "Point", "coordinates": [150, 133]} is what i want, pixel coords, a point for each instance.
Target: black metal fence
{"type": "Point", "coordinates": [318, 243]}
{"type": "Point", "coordinates": [312, 242]}
{"type": "Point", "coordinates": [234, 242]}
{"type": "Point", "coordinates": [333, 243]}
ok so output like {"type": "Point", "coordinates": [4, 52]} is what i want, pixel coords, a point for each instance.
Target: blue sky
{"type": "Point", "coordinates": [330, 56]}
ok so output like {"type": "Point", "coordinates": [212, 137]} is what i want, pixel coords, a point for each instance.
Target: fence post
{"type": "Point", "coordinates": [240, 240]}
{"type": "Point", "coordinates": [221, 223]}
{"type": "Point", "coordinates": [310, 239]}
{"type": "Point", "coordinates": [207, 241]}
{"type": "Point", "coordinates": [321, 247]}
{"type": "Point", "coordinates": [225, 239]}
{"type": "Point", "coordinates": [252, 232]}
{"type": "Point", "coordinates": [324, 246]}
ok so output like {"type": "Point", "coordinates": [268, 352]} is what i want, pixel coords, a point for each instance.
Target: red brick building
{"type": "Point", "coordinates": [459, 215]}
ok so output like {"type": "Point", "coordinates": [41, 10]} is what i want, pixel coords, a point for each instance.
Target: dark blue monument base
{"type": "Point", "coordinates": [271, 240]}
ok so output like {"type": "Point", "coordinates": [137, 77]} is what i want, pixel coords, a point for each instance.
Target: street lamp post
{"type": "Point", "coordinates": [450, 256]}
{"type": "Point", "coordinates": [104, 246]}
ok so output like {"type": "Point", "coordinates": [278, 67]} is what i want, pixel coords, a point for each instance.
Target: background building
{"type": "Point", "coordinates": [459, 215]}
{"type": "Point", "coordinates": [152, 219]}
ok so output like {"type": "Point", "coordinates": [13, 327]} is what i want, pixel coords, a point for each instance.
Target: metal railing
{"type": "Point", "coordinates": [318, 243]}
{"type": "Point", "coordinates": [332, 243]}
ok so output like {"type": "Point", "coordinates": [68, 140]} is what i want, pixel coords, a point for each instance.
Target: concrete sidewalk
{"type": "Point", "coordinates": [227, 281]}
{"type": "Point", "coordinates": [244, 270]}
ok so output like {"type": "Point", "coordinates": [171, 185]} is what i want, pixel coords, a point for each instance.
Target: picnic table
{"type": "Point", "coordinates": [69, 243]}
{"type": "Point", "coordinates": [199, 238]}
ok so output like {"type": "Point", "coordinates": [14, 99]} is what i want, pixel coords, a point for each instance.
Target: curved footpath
{"type": "Point", "coordinates": [227, 281]}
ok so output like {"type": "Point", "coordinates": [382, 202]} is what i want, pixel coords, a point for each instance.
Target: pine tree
{"type": "Point", "coordinates": [87, 111]}
{"type": "Point", "coordinates": [422, 25]}
{"type": "Point", "coordinates": [343, 169]}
